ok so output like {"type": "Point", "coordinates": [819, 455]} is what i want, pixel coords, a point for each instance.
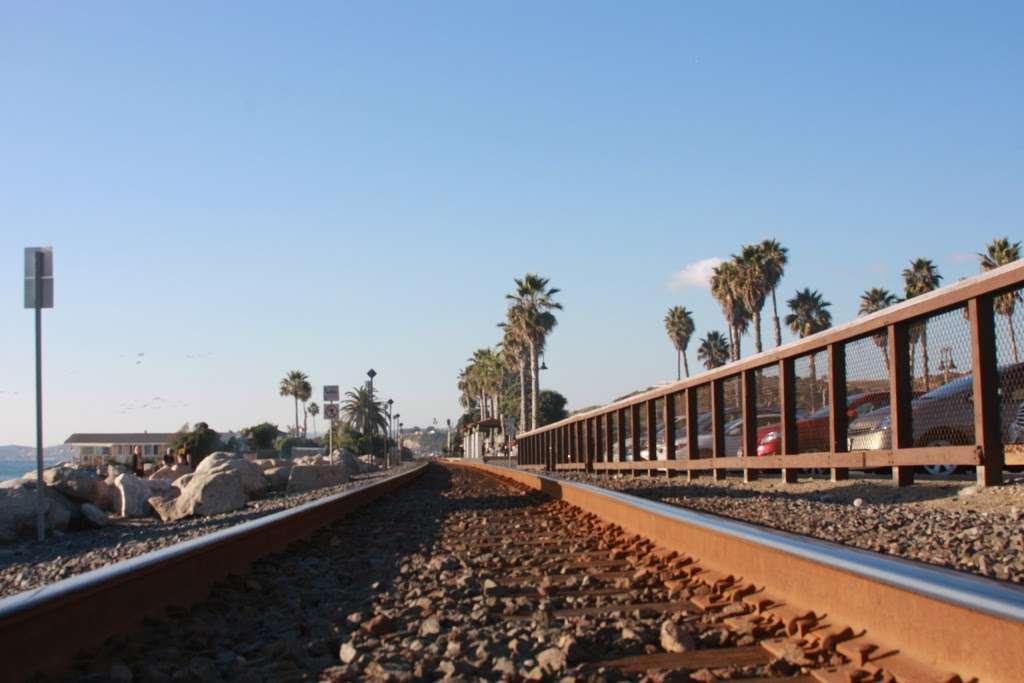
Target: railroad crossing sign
{"type": "Point", "coordinates": [331, 411]}
{"type": "Point", "coordinates": [331, 392]}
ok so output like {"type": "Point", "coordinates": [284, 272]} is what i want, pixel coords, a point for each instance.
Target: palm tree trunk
{"type": "Point", "coordinates": [757, 331]}
{"type": "Point", "coordinates": [814, 382]}
{"type": "Point", "coordinates": [305, 419]}
{"type": "Point", "coordinates": [913, 361]}
{"type": "Point", "coordinates": [737, 352]}
{"type": "Point", "coordinates": [534, 388]}
{"type": "Point", "coordinates": [296, 416]}
{"type": "Point", "coordinates": [522, 394]}
{"type": "Point", "coordinates": [1013, 336]}
{"type": "Point", "coordinates": [679, 368]}
{"type": "Point", "coordinates": [775, 319]}
{"type": "Point", "coordinates": [686, 364]}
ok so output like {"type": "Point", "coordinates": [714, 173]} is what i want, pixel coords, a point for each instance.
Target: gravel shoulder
{"type": "Point", "coordinates": [949, 523]}
{"type": "Point", "coordinates": [28, 565]}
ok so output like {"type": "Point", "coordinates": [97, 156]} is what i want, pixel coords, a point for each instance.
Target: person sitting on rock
{"type": "Point", "coordinates": [137, 461]}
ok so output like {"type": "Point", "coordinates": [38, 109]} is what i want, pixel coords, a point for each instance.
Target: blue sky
{"type": "Point", "coordinates": [339, 186]}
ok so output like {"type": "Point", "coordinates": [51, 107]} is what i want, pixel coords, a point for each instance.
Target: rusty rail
{"type": "Point", "coordinates": [910, 620]}
{"type": "Point", "coordinates": [610, 437]}
{"type": "Point", "coordinates": [87, 609]}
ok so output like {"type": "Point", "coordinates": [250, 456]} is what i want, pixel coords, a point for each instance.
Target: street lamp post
{"type": "Point", "coordinates": [371, 373]}
{"type": "Point", "coordinates": [398, 439]}
{"type": "Point", "coordinates": [387, 438]}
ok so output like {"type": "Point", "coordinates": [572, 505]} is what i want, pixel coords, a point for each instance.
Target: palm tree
{"type": "Point", "coordinates": [713, 350]}
{"type": "Point", "coordinates": [999, 253]}
{"type": "Point", "coordinates": [921, 277]}
{"type": "Point", "coordinates": [515, 350]}
{"type": "Point", "coordinates": [679, 325]}
{"type": "Point", "coordinates": [752, 285]}
{"type": "Point", "coordinates": [304, 395]}
{"type": "Point", "coordinates": [314, 410]}
{"type": "Point", "coordinates": [774, 257]}
{"type": "Point", "coordinates": [809, 316]}
{"type": "Point", "coordinates": [293, 385]}
{"type": "Point", "coordinates": [363, 411]}
{"type": "Point", "coordinates": [535, 302]}
{"type": "Point", "coordinates": [872, 301]}
{"type": "Point", "coordinates": [724, 288]}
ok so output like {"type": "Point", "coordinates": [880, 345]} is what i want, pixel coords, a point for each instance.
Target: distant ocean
{"type": "Point", "coordinates": [14, 469]}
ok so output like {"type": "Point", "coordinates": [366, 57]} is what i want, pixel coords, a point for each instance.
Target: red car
{"type": "Point", "coordinates": [812, 432]}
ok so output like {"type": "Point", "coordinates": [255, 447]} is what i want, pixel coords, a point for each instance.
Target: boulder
{"type": "Point", "coordinates": [170, 472]}
{"type": "Point", "coordinates": [207, 493]}
{"type": "Point", "coordinates": [181, 482]}
{"type": "Point", "coordinates": [94, 515]}
{"type": "Point", "coordinates": [310, 477]}
{"type": "Point", "coordinates": [270, 463]}
{"type": "Point", "coordinates": [166, 508]}
{"type": "Point", "coordinates": [253, 482]}
{"type": "Point", "coordinates": [349, 459]}
{"type": "Point", "coordinates": [18, 512]}
{"type": "Point", "coordinates": [277, 477]}
{"type": "Point", "coordinates": [161, 488]}
{"type": "Point", "coordinates": [134, 495]}
{"type": "Point", "coordinates": [81, 485]}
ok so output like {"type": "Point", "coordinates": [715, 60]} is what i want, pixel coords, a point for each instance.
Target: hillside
{"type": "Point", "coordinates": [425, 442]}
{"type": "Point", "coordinates": [15, 453]}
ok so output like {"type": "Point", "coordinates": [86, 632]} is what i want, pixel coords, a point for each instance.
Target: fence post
{"type": "Point", "coordinates": [692, 446]}
{"type": "Point", "coordinates": [620, 433]}
{"type": "Point", "coordinates": [668, 418]}
{"type": "Point", "coordinates": [609, 438]}
{"type": "Point", "coordinates": [838, 421]}
{"type": "Point", "coordinates": [748, 386]}
{"type": "Point", "coordinates": [588, 447]}
{"type": "Point", "coordinates": [985, 378]}
{"type": "Point", "coordinates": [900, 393]}
{"type": "Point", "coordinates": [787, 394]}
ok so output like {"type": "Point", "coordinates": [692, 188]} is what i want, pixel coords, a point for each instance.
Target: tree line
{"type": "Point", "coordinates": [743, 284]}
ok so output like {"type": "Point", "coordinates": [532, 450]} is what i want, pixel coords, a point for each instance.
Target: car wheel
{"type": "Point", "coordinates": [939, 470]}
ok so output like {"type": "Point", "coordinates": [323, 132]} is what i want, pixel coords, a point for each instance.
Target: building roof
{"type": "Point", "coordinates": [138, 438]}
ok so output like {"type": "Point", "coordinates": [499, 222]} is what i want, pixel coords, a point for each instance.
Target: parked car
{"type": "Point", "coordinates": [734, 434]}
{"type": "Point", "coordinates": [942, 417]}
{"type": "Point", "coordinates": [812, 432]}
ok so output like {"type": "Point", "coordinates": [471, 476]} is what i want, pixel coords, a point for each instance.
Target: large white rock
{"type": "Point", "coordinates": [206, 493]}
{"type": "Point", "coordinates": [134, 495]}
{"type": "Point", "coordinates": [94, 515]}
{"type": "Point", "coordinates": [18, 511]}
{"type": "Point", "coordinates": [310, 477]}
{"type": "Point", "coordinates": [79, 484]}
{"type": "Point", "coordinates": [277, 477]}
{"type": "Point", "coordinates": [170, 472]}
{"type": "Point", "coordinates": [253, 482]}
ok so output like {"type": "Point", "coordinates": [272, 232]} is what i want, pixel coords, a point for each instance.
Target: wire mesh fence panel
{"type": "Point", "coordinates": [597, 431]}
{"type": "Point", "coordinates": [703, 397]}
{"type": "Point", "coordinates": [867, 392]}
{"type": "Point", "coordinates": [629, 454]}
{"type": "Point", "coordinates": [658, 450]}
{"type": "Point", "coordinates": [942, 412]}
{"type": "Point", "coordinates": [810, 390]}
{"type": "Point", "coordinates": [769, 430]}
{"type": "Point", "coordinates": [679, 407]}
{"type": "Point", "coordinates": [642, 452]}
{"type": "Point", "coordinates": [613, 432]}
{"type": "Point", "coordinates": [1009, 327]}
{"type": "Point", "coordinates": [732, 415]}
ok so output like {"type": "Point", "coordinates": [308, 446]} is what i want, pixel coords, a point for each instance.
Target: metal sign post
{"type": "Point", "coordinates": [39, 295]}
{"type": "Point", "coordinates": [331, 413]}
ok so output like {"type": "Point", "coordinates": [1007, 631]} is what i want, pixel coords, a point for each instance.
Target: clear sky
{"type": "Point", "coordinates": [235, 190]}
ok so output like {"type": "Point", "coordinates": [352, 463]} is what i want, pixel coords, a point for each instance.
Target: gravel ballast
{"type": "Point", "coordinates": [28, 565]}
{"type": "Point", "coordinates": [949, 523]}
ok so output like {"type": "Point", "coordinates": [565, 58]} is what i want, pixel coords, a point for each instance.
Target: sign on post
{"type": "Point", "coordinates": [41, 259]}
{"type": "Point", "coordinates": [331, 411]}
{"type": "Point", "coordinates": [331, 393]}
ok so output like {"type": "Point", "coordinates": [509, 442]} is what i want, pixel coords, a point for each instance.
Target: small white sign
{"type": "Point", "coordinates": [331, 392]}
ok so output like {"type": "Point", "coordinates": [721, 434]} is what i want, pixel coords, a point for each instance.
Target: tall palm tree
{"type": "Point", "coordinates": [535, 301]}
{"type": "Point", "coordinates": [713, 350]}
{"type": "Point", "coordinates": [774, 257]}
{"type": "Point", "coordinates": [810, 315]}
{"type": "Point", "coordinates": [515, 350]}
{"type": "Point", "coordinates": [724, 288]}
{"type": "Point", "coordinates": [872, 301]}
{"type": "Point", "coordinates": [999, 253]}
{"type": "Point", "coordinates": [363, 411]}
{"type": "Point", "coordinates": [679, 325]}
{"type": "Point", "coordinates": [921, 277]}
{"type": "Point", "coordinates": [313, 409]}
{"type": "Point", "coordinates": [752, 285]}
{"type": "Point", "coordinates": [293, 385]}
{"type": "Point", "coordinates": [304, 394]}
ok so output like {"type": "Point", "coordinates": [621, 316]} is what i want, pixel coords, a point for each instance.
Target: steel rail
{"type": "Point", "coordinates": [941, 618]}
{"type": "Point", "coordinates": [89, 608]}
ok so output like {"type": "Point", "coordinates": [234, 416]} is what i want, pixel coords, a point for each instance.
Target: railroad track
{"type": "Point", "coordinates": [473, 572]}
